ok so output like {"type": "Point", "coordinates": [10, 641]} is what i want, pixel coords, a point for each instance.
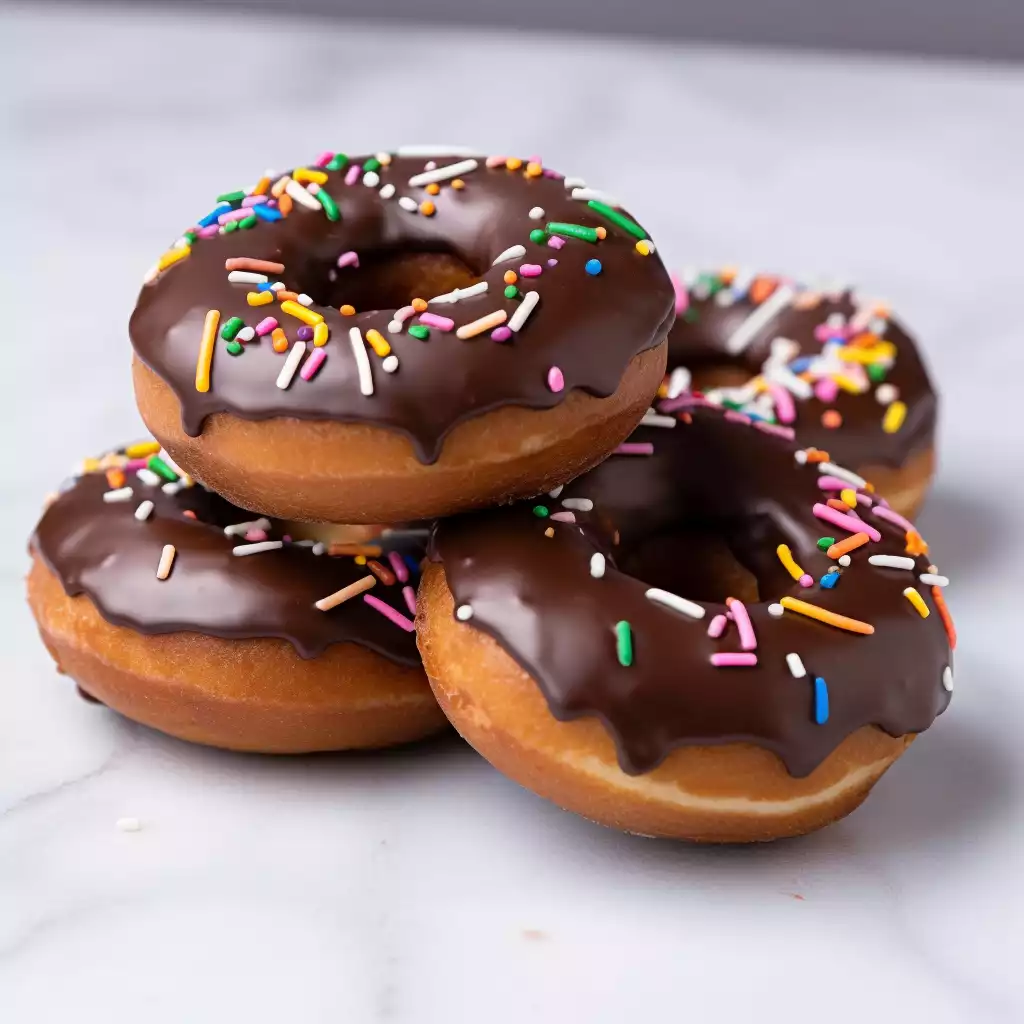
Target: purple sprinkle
{"type": "Point", "coordinates": [305, 333]}
{"type": "Point", "coordinates": [552, 262]}
{"type": "Point", "coordinates": [555, 242]}
{"type": "Point", "coordinates": [501, 333]}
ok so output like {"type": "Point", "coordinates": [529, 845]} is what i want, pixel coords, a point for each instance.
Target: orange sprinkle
{"type": "Point", "coordinates": [513, 163]}
{"type": "Point", "coordinates": [813, 611]}
{"type": "Point", "coordinates": [279, 340]}
{"type": "Point", "coordinates": [601, 231]}
{"type": "Point", "coordinates": [283, 296]}
{"type": "Point", "coordinates": [533, 169]}
{"type": "Point", "coordinates": [347, 310]}
{"type": "Point", "coordinates": [427, 208]}
{"type": "Point", "coordinates": [727, 274]}
{"type": "Point", "coordinates": [687, 418]}
{"type": "Point", "coordinates": [378, 342]}
{"type": "Point", "coordinates": [761, 288]}
{"type": "Point", "coordinates": [915, 544]}
{"type": "Point", "coordinates": [831, 419]}
{"type": "Point", "coordinates": [817, 455]}
{"type": "Point", "coordinates": [847, 544]}
{"type": "Point", "coordinates": [458, 183]}
{"type": "Point", "coordinates": [385, 575]}
{"type": "Point", "coordinates": [549, 532]}
{"type": "Point", "coordinates": [365, 550]}
{"type": "Point", "coordinates": [115, 478]}
{"type": "Point", "coordinates": [420, 305]}
{"type": "Point", "coordinates": [510, 277]}
{"type": "Point", "coordinates": [433, 189]}
{"type": "Point", "coordinates": [947, 619]}
{"type": "Point", "coordinates": [189, 514]}
{"type": "Point", "coordinates": [261, 187]}
{"type": "Point", "coordinates": [839, 506]}
{"type": "Point", "coordinates": [284, 204]}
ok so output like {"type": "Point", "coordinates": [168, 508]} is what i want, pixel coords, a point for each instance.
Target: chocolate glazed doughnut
{"type": "Point", "coordinates": [830, 363]}
{"type": "Point", "coordinates": [764, 640]}
{"type": "Point", "coordinates": [177, 609]}
{"type": "Point", "coordinates": [289, 353]}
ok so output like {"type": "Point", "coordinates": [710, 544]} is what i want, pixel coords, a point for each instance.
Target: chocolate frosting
{"type": "Point", "coordinates": [717, 478]}
{"type": "Point", "coordinates": [587, 325]}
{"type": "Point", "coordinates": [711, 311]}
{"type": "Point", "coordinates": [100, 549]}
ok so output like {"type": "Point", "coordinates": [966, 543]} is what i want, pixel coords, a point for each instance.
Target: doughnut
{"type": "Point", "coordinates": [175, 608]}
{"type": "Point", "coordinates": [389, 338]}
{"type": "Point", "coordinates": [826, 361]}
{"type": "Point", "coordinates": [728, 640]}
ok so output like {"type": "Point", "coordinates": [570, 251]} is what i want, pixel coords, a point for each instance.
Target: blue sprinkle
{"type": "Point", "coordinates": [414, 566]}
{"type": "Point", "coordinates": [820, 701]}
{"type": "Point", "coordinates": [212, 216]}
{"type": "Point", "coordinates": [829, 580]}
{"type": "Point", "coordinates": [266, 212]}
{"type": "Point", "coordinates": [264, 286]}
{"type": "Point", "coordinates": [801, 364]}
{"type": "Point", "coordinates": [593, 267]}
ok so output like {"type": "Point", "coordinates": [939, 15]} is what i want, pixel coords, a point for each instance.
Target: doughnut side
{"type": "Point", "coordinates": [253, 695]}
{"type": "Point", "coordinates": [356, 472]}
{"type": "Point", "coordinates": [731, 793]}
{"type": "Point", "coordinates": [907, 487]}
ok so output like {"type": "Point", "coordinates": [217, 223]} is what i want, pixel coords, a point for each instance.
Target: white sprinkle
{"type": "Point", "coordinates": [759, 318]}
{"type": "Point", "coordinates": [676, 603]}
{"type": "Point", "coordinates": [302, 196]}
{"type": "Point", "coordinates": [800, 455]}
{"type": "Point", "coordinates": [247, 277]}
{"type": "Point", "coordinates": [574, 183]}
{"type": "Point", "coordinates": [886, 394]}
{"type": "Point", "coordinates": [355, 339]}
{"type": "Point", "coordinates": [892, 561]}
{"type": "Point", "coordinates": [557, 491]}
{"type": "Point", "coordinates": [930, 579]}
{"type": "Point", "coordinates": [947, 678]}
{"type": "Point", "coordinates": [371, 179]}
{"type": "Point", "coordinates": [443, 173]}
{"type": "Point", "coordinates": [163, 570]}
{"type": "Point", "coordinates": [151, 275]}
{"type": "Point", "coordinates": [129, 825]}
{"type": "Point", "coordinates": [121, 494]}
{"type": "Point", "coordinates": [171, 487]}
{"type": "Point", "coordinates": [431, 150]}
{"type": "Point", "coordinates": [578, 504]}
{"type": "Point", "coordinates": [291, 364]}
{"type": "Point", "coordinates": [844, 560]}
{"type": "Point", "coordinates": [831, 469]}
{"type": "Point", "coordinates": [246, 334]}
{"type": "Point", "coordinates": [319, 548]}
{"type": "Point", "coordinates": [796, 666]}
{"type": "Point", "coordinates": [257, 548]}
{"type": "Point", "coordinates": [725, 298]}
{"type": "Point", "coordinates": [523, 310]}
{"type": "Point", "coordinates": [464, 613]}
{"type": "Point", "coordinates": [148, 477]}
{"type": "Point", "coordinates": [597, 565]}
{"type": "Point", "coordinates": [430, 165]}
{"type": "Point", "coordinates": [653, 419]}
{"type": "Point", "coordinates": [678, 381]}
{"type": "Point", "coordinates": [462, 293]}
{"type": "Point", "coordinates": [537, 213]}
{"type": "Point", "coordinates": [785, 377]}
{"type": "Point", "coordinates": [390, 363]}
{"type": "Point", "coordinates": [277, 286]}
{"type": "Point", "coordinates": [585, 194]}
{"type": "Point", "coordinates": [253, 524]}
{"type": "Point", "coordinates": [395, 326]}
{"type": "Point", "coordinates": [144, 510]}
{"type": "Point", "coordinates": [776, 611]}
{"type": "Point", "coordinates": [387, 191]}
{"type": "Point", "coordinates": [408, 204]}
{"type": "Point", "coordinates": [304, 299]}
{"type": "Point", "coordinates": [513, 252]}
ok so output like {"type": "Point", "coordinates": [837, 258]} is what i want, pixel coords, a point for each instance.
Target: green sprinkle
{"type": "Point", "coordinates": [231, 328]}
{"type": "Point", "coordinates": [571, 230]}
{"type": "Point", "coordinates": [247, 222]}
{"type": "Point", "coordinates": [329, 205]}
{"type": "Point", "coordinates": [373, 164]}
{"type": "Point", "coordinates": [419, 331]}
{"type": "Point", "coordinates": [155, 463]}
{"type": "Point", "coordinates": [235, 348]}
{"type": "Point", "coordinates": [624, 643]}
{"type": "Point", "coordinates": [710, 283]}
{"type": "Point", "coordinates": [538, 235]}
{"type": "Point", "coordinates": [878, 372]}
{"type": "Point", "coordinates": [337, 162]}
{"type": "Point", "coordinates": [511, 292]}
{"type": "Point", "coordinates": [691, 316]}
{"type": "Point", "coordinates": [231, 197]}
{"type": "Point", "coordinates": [618, 218]}
{"type": "Point", "coordinates": [232, 225]}
{"type": "Point", "coordinates": [729, 403]}
{"type": "Point", "coordinates": [190, 236]}
{"type": "Point", "coordinates": [540, 511]}
{"type": "Point", "coordinates": [826, 542]}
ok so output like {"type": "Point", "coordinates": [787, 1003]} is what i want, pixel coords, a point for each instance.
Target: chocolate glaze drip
{"type": "Point", "coordinates": [535, 595]}
{"type": "Point", "coordinates": [698, 340]}
{"type": "Point", "coordinates": [101, 550]}
{"type": "Point", "coordinates": [588, 326]}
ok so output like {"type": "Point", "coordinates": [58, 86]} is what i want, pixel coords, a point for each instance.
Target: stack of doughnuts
{"type": "Point", "coordinates": [437, 438]}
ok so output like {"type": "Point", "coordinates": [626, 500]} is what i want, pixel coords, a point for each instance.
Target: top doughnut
{"type": "Point", "coordinates": [422, 294]}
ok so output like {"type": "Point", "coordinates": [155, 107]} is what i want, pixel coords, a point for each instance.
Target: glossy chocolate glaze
{"type": "Point", "coordinates": [700, 334]}
{"type": "Point", "coordinates": [99, 549]}
{"type": "Point", "coordinates": [713, 476]}
{"type": "Point", "coordinates": [588, 326]}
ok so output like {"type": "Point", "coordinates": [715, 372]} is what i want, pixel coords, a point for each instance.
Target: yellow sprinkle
{"type": "Point", "coordinates": [644, 247]}
{"type": "Point", "coordinates": [485, 323]}
{"type": "Point", "coordinates": [305, 174]}
{"type": "Point", "coordinates": [549, 532]}
{"type": "Point", "coordinates": [259, 298]}
{"type": "Point", "coordinates": [848, 384]}
{"type": "Point", "coordinates": [513, 163]}
{"type": "Point", "coordinates": [321, 332]}
{"type": "Point", "coordinates": [458, 183]}
{"type": "Point", "coordinates": [849, 495]}
{"type": "Point", "coordinates": [172, 256]}
{"type": "Point", "coordinates": [894, 416]}
{"type": "Point", "coordinates": [142, 449]}
{"type": "Point", "coordinates": [277, 189]}
{"type": "Point", "coordinates": [917, 601]}
{"type": "Point", "coordinates": [360, 559]}
{"type": "Point", "coordinates": [378, 342]}
{"type": "Point", "coordinates": [427, 208]}
{"type": "Point", "coordinates": [90, 465]}
{"type": "Point", "coordinates": [300, 312]}
{"type": "Point", "coordinates": [788, 562]}
{"type": "Point", "coordinates": [882, 352]}
{"type": "Point", "coordinates": [206, 346]}
{"type": "Point", "coordinates": [533, 170]}
{"type": "Point", "coordinates": [385, 159]}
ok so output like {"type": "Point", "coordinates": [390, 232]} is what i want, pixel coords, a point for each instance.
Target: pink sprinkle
{"type": "Point", "coordinates": [556, 381]}
{"type": "Point", "coordinates": [845, 522]}
{"type": "Point", "coordinates": [209, 231]}
{"type": "Point", "coordinates": [388, 612]}
{"type": "Point", "coordinates": [825, 332]}
{"type": "Point", "coordinates": [684, 401]}
{"type": "Point", "coordinates": [501, 333]}
{"type": "Point", "coordinates": [717, 626]}
{"type": "Point", "coordinates": [635, 448]}
{"type": "Point", "coordinates": [892, 517]}
{"type": "Point", "coordinates": [552, 262]}
{"type": "Point", "coordinates": [733, 660]}
{"type": "Point", "coordinates": [738, 417]}
{"type": "Point", "coordinates": [773, 428]}
{"type": "Point", "coordinates": [748, 640]}
{"type": "Point", "coordinates": [312, 364]}
{"type": "Point", "coordinates": [863, 499]}
{"type": "Point", "coordinates": [495, 161]}
{"type": "Point", "coordinates": [403, 314]}
{"type": "Point", "coordinates": [134, 464]}
{"type": "Point", "coordinates": [826, 390]}
{"type": "Point", "coordinates": [353, 174]}
{"type": "Point", "coordinates": [549, 173]}
{"type": "Point", "coordinates": [442, 323]}
{"type": "Point", "coordinates": [410, 599]}
{"type": "Point", "coordinates": [832, 483]}
{"type": "Point", "coordinates": [682, 295]}
{"type": "Point", "coordinates": [555, 242]}
{"type": "Point", "coordinates": [348, 259]}
{"type": "Point", "coordinates": [224, 218]}
{"type": "Point", "coordinates": [253, 201]}
{"type": "Point", "coordinates": [398, 566]}
{"type": "Point", "coordinates": [536, 160]}
{"type": "Point", "coordinates": [806, 580]}
{"type": "Point", "coordinates": [265, 326]}
{"type": "Point", "coordinates": [784, 407]}
{"type": "Point", "coordinates": [562, 517]}
{"type": "Point", "coordinates": [323, 159]}
{"type": "Point", "coordinates": [531, 270]}
{"type": "Point", "coordinates": [255, 535]}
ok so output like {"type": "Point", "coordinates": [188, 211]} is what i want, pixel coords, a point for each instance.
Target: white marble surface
{"type": "Point", "coordinates": [421, 886]}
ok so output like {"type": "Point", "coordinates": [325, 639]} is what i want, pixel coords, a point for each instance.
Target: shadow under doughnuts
{"type": "Point", "coordinates": [964, 532]}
